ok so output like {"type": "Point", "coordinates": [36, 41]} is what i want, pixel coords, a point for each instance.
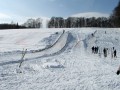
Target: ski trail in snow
{"type": "Point", "coordinates": [57, 47]}
{"type": "Point", "coordinates": [80, 44]}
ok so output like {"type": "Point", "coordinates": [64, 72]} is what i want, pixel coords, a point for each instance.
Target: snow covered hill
{"type": "Point", "coordinates": [59, 59]}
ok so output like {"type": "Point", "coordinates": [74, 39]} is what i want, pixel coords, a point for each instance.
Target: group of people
{"type": "Point", "coordinates": [97, 50]}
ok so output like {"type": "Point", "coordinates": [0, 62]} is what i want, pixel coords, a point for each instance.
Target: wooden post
{"type": "Point", "coordinates": [22, 58]}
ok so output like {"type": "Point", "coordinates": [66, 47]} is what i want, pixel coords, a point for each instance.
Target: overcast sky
{"type": "Point", "coordinates": [14, 9]}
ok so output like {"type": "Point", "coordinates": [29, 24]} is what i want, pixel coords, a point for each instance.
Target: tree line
{"type": "Point", "coordinates": [33, 23]}
{"type": "Point", "coordinates": [30, 23]}
{"type": "Point", "coordinates": [115, 16]}
{"type": "Point", "coordinates": [11, 26]}
{"type": "Point", "coordinates": [76, 22]}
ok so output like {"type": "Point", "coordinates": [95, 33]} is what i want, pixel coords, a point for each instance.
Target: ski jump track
{"type": "Point", "coordinates": [36, 51]}
{"type": "Point", "coordinates": [56, 48]}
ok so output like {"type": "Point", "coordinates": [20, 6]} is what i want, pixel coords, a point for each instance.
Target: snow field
{"type": "Point", "coordinates": [70, 64]}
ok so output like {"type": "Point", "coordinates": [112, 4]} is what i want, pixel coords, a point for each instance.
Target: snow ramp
{"type": "Point", "coordinates": [55, 48]}
{"type": "Point", "coordinates": [60, 43]}
{"type": "Point", "coordinates": [64, 43]}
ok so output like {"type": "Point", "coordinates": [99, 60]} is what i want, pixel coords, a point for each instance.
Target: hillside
{"type": "Point", "coordinates": [59, 59]}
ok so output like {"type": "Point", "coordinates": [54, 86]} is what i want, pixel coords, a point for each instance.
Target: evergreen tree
{"type": "Point", "coordinates": [115, 17]}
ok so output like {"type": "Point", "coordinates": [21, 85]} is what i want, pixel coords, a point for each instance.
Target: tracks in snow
{"type": "Point", "coordinates": [56, 48]}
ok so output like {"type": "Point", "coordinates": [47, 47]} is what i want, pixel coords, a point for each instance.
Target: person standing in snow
{"type": "Point", "coordinates": [99, 51]}
{"type": "Point", "coordinates": [63, 31]}
{"type": "Point", "coordinates": [105, 52]}
{"type": "Point", "coordinates": [92, 35]}
{"type": "Point", "coordinates": [105, 32]}
{"type": "Point", "coordinates": [115, 53]}
{"type": "Point", "coordinates": [97, 48]}
{"type": "Point", "coordinates": [118, 71]}
{"type": "Point", "coordinates": [93, 49]}
{"type": "Point", "coordinates": [112, 52]}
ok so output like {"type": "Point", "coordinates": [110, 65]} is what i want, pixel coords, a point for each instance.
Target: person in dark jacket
{"type": "Point", "coordinates": [105, 52]}
{"type": "Point", "coordinates": [112, 52]}
{"type": "Point", "coordinates": [115, 52]}
{"type": "Point", "coordinates": [118, 71]}
{"type": "Point", "coordinates": [97, 49]}
{"type": "Point", "coordinates": [93, 49]}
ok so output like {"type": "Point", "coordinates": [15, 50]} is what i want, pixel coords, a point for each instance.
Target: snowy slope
{"type": "Point", "coordinates": [18, 39]}
{"type": "Point", "coordinates": [67, 65]}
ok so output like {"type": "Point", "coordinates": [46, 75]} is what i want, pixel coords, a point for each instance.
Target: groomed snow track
{"type": "Point", "coordinates": [54, 49]}
{"type": "Point", "coordinates": [40, 50]}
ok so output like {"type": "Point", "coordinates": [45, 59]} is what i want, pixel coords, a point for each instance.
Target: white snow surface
{"type": "Point", "coordinates": [64, 60]}
{"type": "Point", "coordinates": [54, 64]}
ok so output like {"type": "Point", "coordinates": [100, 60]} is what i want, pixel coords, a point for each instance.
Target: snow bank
{"type": "Point", "coordinates": [52, 65]}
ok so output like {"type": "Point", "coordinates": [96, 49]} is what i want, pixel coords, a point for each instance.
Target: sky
{"type": "Point", "coordinates": [17, 10]}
